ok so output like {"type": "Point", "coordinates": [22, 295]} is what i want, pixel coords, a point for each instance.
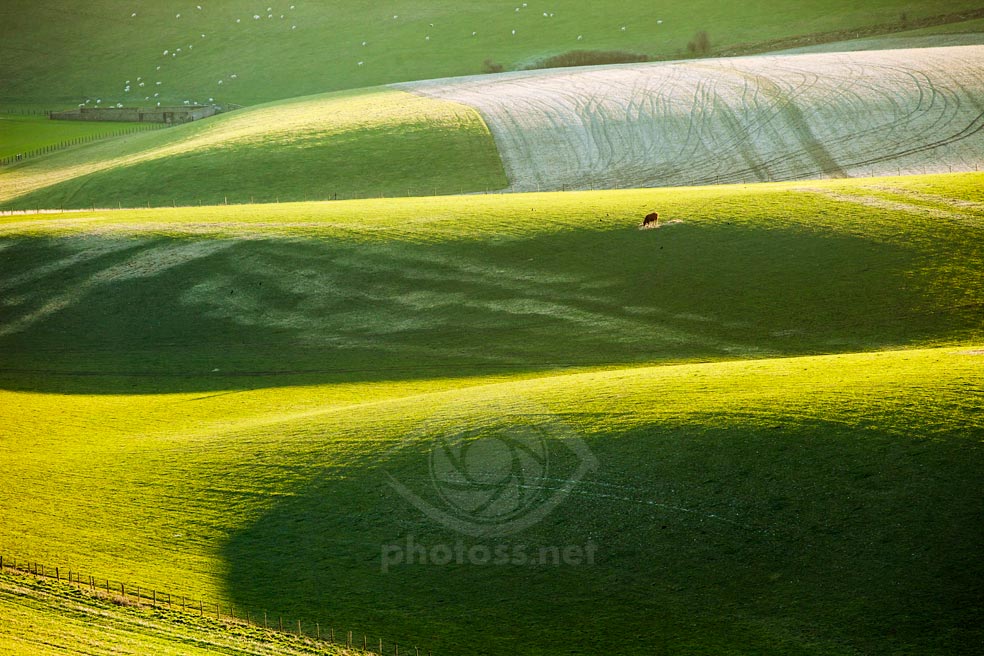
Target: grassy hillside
{"type": "Point", "coordinates": [823, 505]}
{"type": "Point", "coordinates": [22, 134]}
{"type": "Point", "coordinates": [369, 142]}
{"type": "Point", "coordinates": [761, 422]}
{"type": "Point", "coordinates": [41, 617]}
{"type": "Point", "coordinates": [754, 119]}
{"type": "Point", "coordinates": [47, 50]}
{"type": "Point", "coordinates": [490, 282]}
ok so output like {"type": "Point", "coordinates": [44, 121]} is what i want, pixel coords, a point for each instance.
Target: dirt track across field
{"type": "Point", "coordinates": [747, 119]}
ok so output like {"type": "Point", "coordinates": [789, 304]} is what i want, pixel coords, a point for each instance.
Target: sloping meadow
{"type": "Point", "coordinates": [631, 437]}
{"type": "Point", "coordinates": [343, 145]}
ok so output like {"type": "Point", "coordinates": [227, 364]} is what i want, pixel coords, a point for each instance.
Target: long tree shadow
{"type": "Point", "coordinates": [105, 314]}
{"type": "Point", "coordinates": [811, 538]}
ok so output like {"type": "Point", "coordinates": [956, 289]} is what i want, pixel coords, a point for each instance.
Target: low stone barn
{"type": "Point", "coordinates": [167, 115]}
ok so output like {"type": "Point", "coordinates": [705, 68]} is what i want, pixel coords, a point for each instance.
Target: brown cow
{"type": "Point", "coordinates": [651, 220]}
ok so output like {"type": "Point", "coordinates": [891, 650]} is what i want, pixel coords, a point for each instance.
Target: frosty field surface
{"type": "Point", "coordinates": [765, 118]}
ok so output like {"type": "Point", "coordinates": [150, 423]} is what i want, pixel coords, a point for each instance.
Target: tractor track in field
{"type": "Point", "coordinates": [767, 118]}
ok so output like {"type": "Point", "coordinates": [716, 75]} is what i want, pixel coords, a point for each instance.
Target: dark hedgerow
{"type": "Point", "coordinates": [489, 66]}
{"type": "Point", "coordinates": [589, 58]}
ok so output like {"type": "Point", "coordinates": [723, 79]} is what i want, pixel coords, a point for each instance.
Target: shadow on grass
{"type": "Point", "coordinates": [716, 536]}
{"type": "Point", "coordinates": [111, 314]}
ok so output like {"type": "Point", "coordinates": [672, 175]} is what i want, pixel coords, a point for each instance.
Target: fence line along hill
{"type": "Point", "coordinates": [748, 119]}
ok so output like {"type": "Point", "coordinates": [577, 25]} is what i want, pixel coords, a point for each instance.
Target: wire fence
{"type": "Point", "coordinates": [128, 594]}
{"type": "Point", "coordinates": [77, 141]}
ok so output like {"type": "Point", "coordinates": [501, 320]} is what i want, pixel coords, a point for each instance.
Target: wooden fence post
{"type": "Point", "coordinates": [264, 619]}
{"type": "Point", "coordinates": [298, 628]}
{"type": "Point", "coordinates": [154, 601]}
{"type": "Point", "coordinates": [57, 574]}
{"type": "Point", "coordinates": [317, 628]}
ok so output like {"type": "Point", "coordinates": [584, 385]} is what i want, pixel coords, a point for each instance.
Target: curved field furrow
{"type": "Point", "coordinates": [731, 120]}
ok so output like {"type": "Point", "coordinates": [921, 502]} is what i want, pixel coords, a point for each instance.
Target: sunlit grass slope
{"type": "Point", "coordinates": [370, 142]}
{"type": "Point", "coordinates": [489, 283]}
{"type": "Point", "coordinates": [821, 505]}
{"type": "Point", "coordinates": [43, 617]}
{"type": "Point", "coordinates": [215, 401]}
{"type": "Point", "coordinates": [22, 134]}
{"type": "Point", "coordinates": [60, 52]}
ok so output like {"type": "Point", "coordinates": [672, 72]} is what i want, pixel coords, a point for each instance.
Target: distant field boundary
{"type": "Point", "coordinates": [834, 36]}
{"type": "Point", "coordinates": [78, 141]}
{"type": "Point", "coordinates": [127, 594]}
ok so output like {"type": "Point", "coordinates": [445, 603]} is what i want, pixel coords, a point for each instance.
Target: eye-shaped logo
{"type": "Point", "coordinates": [493, 472]}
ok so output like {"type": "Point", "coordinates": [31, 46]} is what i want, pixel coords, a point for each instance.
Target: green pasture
{"type": "Point", "coordinates": [494, 282]}
{"type": "Point", "coordinates": [23, 134]}
{"type": "Point", "coordinates": [763, 421]}
{"type": "Point", "coordinates": [47, 50]}
{"type": "Point", "coordinates": [347, 144]}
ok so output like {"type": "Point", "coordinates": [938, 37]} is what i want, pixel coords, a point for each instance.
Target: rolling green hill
{"type": "Point", "coordinates": [761, 422]}
{"type": "Point", "coordinates": [345, 144]}
{"type": "Point", "coordinates": [47, 49]}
